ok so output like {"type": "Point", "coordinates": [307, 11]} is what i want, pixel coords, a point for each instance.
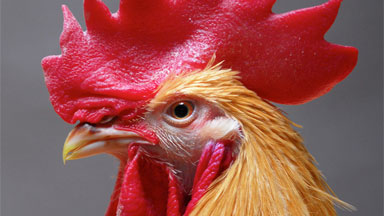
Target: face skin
{"type": "Point", "coordinates": [183, 125]}
{"type": "Point", "coordinates": [182, 140]}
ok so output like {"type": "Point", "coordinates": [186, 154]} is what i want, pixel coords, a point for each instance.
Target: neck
{"type": "Point", "coordinates": [273, 174]}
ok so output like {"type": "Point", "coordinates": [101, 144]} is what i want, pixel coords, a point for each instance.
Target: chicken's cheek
{"type": "Point", "coordinates": [148, 187]}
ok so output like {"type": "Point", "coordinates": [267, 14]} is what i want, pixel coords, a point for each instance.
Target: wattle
{"type": "Point", "coordinates": [148, 187]}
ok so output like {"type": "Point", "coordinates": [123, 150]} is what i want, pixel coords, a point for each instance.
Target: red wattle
{"type": "Point", "coordinates": [144, 189]}
{"type": "Point", "coordinates": [215, 159]}
{"type": "Point", "coordinates": [148, 187]}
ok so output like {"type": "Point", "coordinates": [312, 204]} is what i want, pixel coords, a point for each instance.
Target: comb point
{"type": "Point", "coordinates": [71, 28]}
{"type": "Point", "coordinates": [317, 20]}
{"type": "Point", "coordinates": [97, 15]}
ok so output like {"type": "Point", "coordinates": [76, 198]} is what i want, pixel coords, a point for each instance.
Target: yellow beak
{"type": "Point", "coordinates": [86, 140]}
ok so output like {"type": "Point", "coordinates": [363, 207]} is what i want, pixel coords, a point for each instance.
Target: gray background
{"type": "Point", "coordinates": [342, 129]}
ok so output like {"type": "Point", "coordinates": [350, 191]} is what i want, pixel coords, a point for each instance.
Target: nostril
{"type": "Point", "coordinates": [107, 119]}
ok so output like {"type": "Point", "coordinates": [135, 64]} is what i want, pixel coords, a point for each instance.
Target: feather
{"type": "Point", "coordinates": [274, 174]}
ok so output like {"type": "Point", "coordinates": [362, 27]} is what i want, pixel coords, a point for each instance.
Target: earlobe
{"type": "Point", "coordinates": [221, 128]}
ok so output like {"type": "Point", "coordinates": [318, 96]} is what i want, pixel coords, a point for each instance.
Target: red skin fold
{"type": "Point", "coordinates": [118, 63]}
{"type": "Point", "coordinates": [147, 187]}
{"type": "Point", "coordinates": [215, 159]}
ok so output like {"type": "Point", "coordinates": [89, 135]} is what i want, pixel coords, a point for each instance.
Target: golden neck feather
{"type": "Point", "coordinates": [274, 174]}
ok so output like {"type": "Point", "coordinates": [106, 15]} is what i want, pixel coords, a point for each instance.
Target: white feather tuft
{"type": "Point", "coordinates": [220, 128]}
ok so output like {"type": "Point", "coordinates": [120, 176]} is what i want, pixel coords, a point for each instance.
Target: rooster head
{"type": "Point", "coordinates": [193, 136]}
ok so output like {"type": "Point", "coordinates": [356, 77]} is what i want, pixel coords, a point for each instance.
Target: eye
{"type": "Point", "coordinates": [182, 110]}
{"type": "Point", "coordinates": [181, 113]}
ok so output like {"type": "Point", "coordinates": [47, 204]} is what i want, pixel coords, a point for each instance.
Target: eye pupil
{"type": "Point", "coordinates": [181, 110]}
{"type": "Point", "coordinates": [180, 113]}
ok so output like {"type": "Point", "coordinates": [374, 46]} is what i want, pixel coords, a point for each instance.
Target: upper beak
{"type": "Point", "coordinates": [86, 140]}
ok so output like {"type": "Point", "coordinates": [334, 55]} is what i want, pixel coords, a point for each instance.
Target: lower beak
{"type": "Point", "coordinates": [86, 140]}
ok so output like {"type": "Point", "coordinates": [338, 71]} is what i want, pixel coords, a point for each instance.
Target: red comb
{"type": "Point", "coordinates": [119, 62]}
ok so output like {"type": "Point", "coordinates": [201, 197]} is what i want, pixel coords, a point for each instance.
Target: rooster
{"type": "Point", "coordinates": [180, 92]}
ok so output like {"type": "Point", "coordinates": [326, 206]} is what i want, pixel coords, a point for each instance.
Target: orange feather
{"type": "Point", "coordinates": [274, 174]}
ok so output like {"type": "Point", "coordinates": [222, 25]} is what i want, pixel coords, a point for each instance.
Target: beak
{"type": "Point", "coordinates": [86, 140]}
